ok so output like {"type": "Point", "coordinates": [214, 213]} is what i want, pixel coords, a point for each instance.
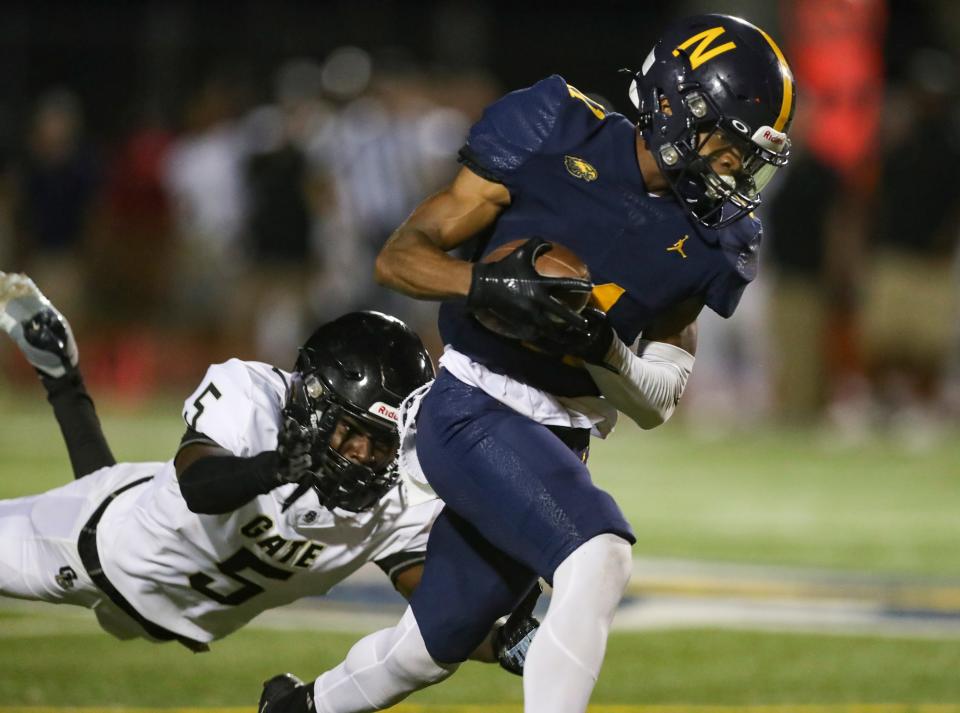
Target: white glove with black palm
{"type": "Point", "coordinates": [294, 448]}
{"type": "Point", "coordinates": [36, 326]}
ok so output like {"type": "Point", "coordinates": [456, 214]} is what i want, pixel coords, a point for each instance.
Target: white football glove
{"type": "Point", "coordinates": [36, 326]}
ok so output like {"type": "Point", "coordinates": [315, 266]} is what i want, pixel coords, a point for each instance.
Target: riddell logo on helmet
{"type": "Point", "coordinates": [774, 138]}
{"type": "Point", "coordinates": [769, 138]}
{"type": "Point", "coordinates": [384, 411]}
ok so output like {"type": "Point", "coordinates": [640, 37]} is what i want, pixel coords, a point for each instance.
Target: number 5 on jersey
{"type": "Point", "coordinates": [231, 568]}
{"type": "Point", "coordinates": [210, 390]}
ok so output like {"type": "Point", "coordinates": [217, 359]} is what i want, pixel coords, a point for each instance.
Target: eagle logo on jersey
{"type": "Point", "coordinates": [578, 168]}
{"type": "Point", "coordinates": [678, 246]}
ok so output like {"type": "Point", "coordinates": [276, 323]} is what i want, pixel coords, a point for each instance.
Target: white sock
{"type": "Point", "coordinates": [380, 670]}
{"type": "Point", "coordinates": [566, 654]}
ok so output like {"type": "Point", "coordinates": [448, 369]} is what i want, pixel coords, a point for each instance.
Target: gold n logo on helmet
{"type": "Point", "coordinates": [703, 52]}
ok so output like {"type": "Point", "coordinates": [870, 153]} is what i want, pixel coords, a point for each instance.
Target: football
{"type": "Point", "coordinates": [558, 262]}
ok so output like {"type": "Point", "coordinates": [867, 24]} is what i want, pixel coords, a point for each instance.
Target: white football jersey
{"type": "Point", "coordinates": [204, 576]}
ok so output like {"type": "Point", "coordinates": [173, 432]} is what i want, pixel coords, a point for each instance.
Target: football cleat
{"type": "Point", "coordinates": [36, 326]}
{"type": "Point", "coordinates": [276, 688]}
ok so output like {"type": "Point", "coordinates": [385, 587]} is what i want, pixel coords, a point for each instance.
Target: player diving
{"type": "Point", "coordinates": [284, 483]}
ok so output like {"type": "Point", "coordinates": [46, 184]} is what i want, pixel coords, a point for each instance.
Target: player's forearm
{"type": "Point", "coordinates": [220, 484]}
{"type": "Point", "coordinates": [415, 261]}
{"type": "Point", "coordinates": [649, 384]}
{"type": "Point", "coordinates": [79, 424]}
{"type": "Point", "coordinates": [413, 264]}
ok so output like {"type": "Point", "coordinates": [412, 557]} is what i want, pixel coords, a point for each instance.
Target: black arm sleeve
{"type": "Point", "coordinates": [219, 484]}
{"type": "Point", "coordinates": [79, 424]}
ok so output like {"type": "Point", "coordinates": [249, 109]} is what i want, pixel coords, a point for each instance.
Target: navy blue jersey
{"type": "Point", "coordinates": [572, 172]}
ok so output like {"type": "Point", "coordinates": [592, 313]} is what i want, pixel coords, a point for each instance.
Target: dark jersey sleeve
{"type": "Point", "coordinates": [740, 244]}
{"type": "Point", "coordinates": [514, 128]}
{"type": "Point", "coordinates": [724, 294]}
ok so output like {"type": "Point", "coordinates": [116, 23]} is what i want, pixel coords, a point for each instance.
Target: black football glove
{"type": "Point", "coordinates": [295, 447]}
{"type": "Point", "coordinates": [590, 343]}
{"type": "Point", "coordinates": [285, 693]}
{"type": "Point", "coordinates": [512, 640]}
{"type": "Point", "coordinates": [515, 292]}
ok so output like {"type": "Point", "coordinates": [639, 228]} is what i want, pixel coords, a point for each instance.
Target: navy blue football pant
{"type": "Point", "coordinates": [518, 502]}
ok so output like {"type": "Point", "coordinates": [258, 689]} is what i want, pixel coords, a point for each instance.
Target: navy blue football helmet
{"type": "Point", "coordinates": [711, 74]}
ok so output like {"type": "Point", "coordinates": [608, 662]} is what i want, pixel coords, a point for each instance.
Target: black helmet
{"type": "Point", "coordinates": [355, 371]}
{"type": "Point", "coordinates": [709, 74]}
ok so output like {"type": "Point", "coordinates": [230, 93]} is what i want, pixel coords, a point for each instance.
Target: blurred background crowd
{"type": "Point", "coordinates": [193, 181]}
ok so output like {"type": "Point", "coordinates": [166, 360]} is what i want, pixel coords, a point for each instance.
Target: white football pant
{"type": "Point", "coordinates": [38, 545]}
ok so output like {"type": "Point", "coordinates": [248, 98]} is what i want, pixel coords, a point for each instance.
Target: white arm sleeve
{"type": "Point", "coordinates": [650, 382]}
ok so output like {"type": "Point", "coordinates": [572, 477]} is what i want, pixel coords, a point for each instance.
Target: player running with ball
{"type": "Point", "coordinates": [661, 213]}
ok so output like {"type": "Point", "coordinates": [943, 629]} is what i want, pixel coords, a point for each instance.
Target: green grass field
{"type": "Point", "coordinates": [766, 498]}
{"type": "Point", "coordinates": [697, 667]}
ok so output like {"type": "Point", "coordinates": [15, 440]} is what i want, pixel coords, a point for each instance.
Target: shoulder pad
{"type": "Point", "coordinates": [235, 407]}
{"type": "Point", "coordinates": [523, 123]}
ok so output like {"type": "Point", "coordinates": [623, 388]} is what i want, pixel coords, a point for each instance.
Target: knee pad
{"type": "Point", "coordinates": [606, 558]}
{"type": "Point", "coordinates": [615, 560]}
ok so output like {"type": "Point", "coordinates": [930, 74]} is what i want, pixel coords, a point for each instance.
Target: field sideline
{"type": "Point", "coordinates": [71, 663]}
